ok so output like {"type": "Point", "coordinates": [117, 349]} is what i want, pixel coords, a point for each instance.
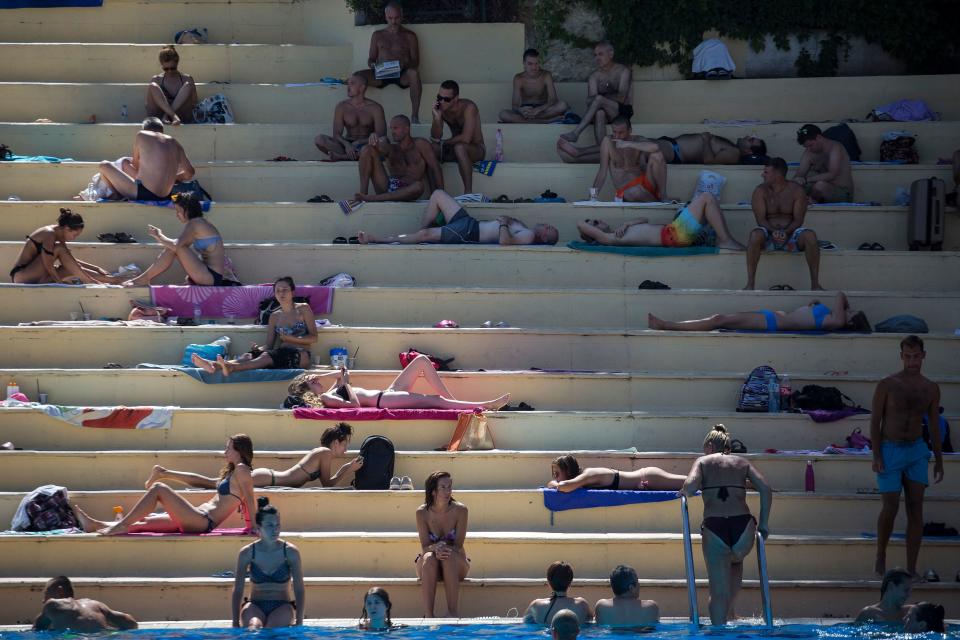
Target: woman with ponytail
{"type": "Point", "coordinates": [272, 565]}
{"type": "Point", "coordinates": [542, 610]}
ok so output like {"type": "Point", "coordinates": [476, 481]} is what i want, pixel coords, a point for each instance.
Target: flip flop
{"type": "Point", "coordinates": [652, 284]}
{"type": "Point", "coordinates": [865, 246]}
{"type": "Point", "coordinates": [353, 240]}
{"type": "Point", "coordinates": [340, 240]}
{"type": "Point", "coordinates": [321, 198]}
{"type": "Point", "coordinates": [107, 237]}
{"type": "Point", "coordinates": [782, 287]}
{"type": "Point", "coordinates": [876, 246]}
{"type": "Point", "coordinates": [826, 245]}
{"type": "Point", "coordinates": [502, 198]}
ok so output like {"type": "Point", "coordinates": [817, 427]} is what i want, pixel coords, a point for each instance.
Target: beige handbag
{"type": "Point", "coordinates": [472, 433]}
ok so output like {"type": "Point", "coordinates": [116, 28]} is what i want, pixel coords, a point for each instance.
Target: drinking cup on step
{"type": "Point", "coordinates": [338, 357]}
{"type": "Point", "coordinates": [87, 316]}
{"type": "Point", "coordinates": [74, 316]}
{"type": "Point", "coordinates": [317, 361]}
{"type": "Point", "coordinates": [594, 194]}
{"type": "Point", "coordinates": [42, 398]}
{"type": "Point", "coordinates": [618, 198]}
{"type": "Point", "coordinates": [172, 320]}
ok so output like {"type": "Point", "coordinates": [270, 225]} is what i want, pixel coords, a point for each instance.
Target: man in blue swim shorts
{"type": "Point", "coordinates": [779, 207]}
{"type": "Point", "coordinates": [900, 455]}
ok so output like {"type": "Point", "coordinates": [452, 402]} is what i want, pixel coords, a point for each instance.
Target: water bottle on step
{"type": "Point", "coordinates": [498, 155]}
{"type": "Point", "coordinates": [773, 394]}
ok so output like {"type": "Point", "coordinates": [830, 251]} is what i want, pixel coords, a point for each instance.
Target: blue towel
{"type": "Point", "coordinates": [44, 4]}
{"type": "Point", "coordinates": [253, 375]}
{"type": "Point", "coordinates": [204, 204]}
{"type": "Point", "coordinates": [646, 252]}
{"type": "Point", "coordinates": [588, 498]}
{"type": "Point", "coordinates": [45, 159]}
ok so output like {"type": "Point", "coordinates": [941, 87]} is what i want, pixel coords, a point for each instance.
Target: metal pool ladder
{"type": "Point", "coordinates": [692, 578]}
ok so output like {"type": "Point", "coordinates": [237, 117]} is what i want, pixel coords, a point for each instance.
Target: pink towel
{"type": "Point", "coordinates": [240, 302]}
{"type": "Point", "coordinates": [370, 413]}
{"type": "Point", "coordinates": [234, 531]}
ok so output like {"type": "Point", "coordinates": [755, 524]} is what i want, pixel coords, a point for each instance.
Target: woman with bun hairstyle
{"type": "Point", "coordinates": [171, 95]}
{"type": "Point", "coordinates": [272, 565]}
{"type": "Point", "coordinates": [45, 258]}
{"type": "Point", "coordinates": [729, 529]}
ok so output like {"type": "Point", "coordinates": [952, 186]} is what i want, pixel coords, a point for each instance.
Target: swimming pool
{"type": "Point", "coordinates": [664, 631]}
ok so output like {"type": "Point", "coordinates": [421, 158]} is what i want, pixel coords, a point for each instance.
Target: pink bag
{"type": "Point", "coordinates": [856, 440]}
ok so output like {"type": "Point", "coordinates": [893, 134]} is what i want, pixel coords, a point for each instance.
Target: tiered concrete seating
{"type": "Point", "coordinates": [617, 394]}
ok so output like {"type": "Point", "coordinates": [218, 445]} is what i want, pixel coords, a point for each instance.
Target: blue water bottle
{"type": "Point", "coordinates": [773, 394]}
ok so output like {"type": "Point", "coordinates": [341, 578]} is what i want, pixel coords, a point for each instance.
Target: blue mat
{"type": "Point", "coordinates": [589, 498]}
{"type": "Point", "coordinates": [47, 159]}
{"type": "Point", "coordinates": [647, 252]}
{"type": "Point", "coordinates": [254, 375]}
{"type": "Point", "coordinates": [204, 204]}
{"type": "Point", "coordinates": [46, 4]}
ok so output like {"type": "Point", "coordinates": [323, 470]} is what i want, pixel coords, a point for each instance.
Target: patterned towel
{"type": "Point", "coordinates": [349, 206]}
{"type": "Point", "coordinates": [104, 417]}
{"type": "Point", "coordinates": [369, 413]}
{"type": "Point", "coordinates": [240, 302]}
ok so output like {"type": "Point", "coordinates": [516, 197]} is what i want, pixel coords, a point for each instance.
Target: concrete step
{"type": "Point", "coordinates": [195, 428]}
{"type": "Point", "coordinates": [507, 554]}
{"type": "Point", "coordinates": [245, 222]}
{"type": "Point", "coordinates": [26, 470]}
{"type": "Point", "coordinates": [238, 63]}
{"type": "Point", "coordinates": [522, 142]}
{"type": "Point", "coordinates": [529, 308]}
{"type": "Point", "coordinates": [638, 391]}
{"type": "Point", "coordinates": [299, 181]}
{"type": "Point", "coordinates": [545, 267]}
{"type": "Point", "coordinates": [506, 348]}
{"type": "Point", "coordinates": [668, 101]}
{"type": "Point", "coordinates": [523, 510]}
{"type": "Point", "coordinates": [204, 598]}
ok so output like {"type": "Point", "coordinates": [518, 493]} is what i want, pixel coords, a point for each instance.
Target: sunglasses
{"type": "Point", "coordinates": [445, 98]}
{"type": "Point", "coordinates": [594, 222]}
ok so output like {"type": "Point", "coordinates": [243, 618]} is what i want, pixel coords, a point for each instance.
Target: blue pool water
{"type": "Point", "coordinates": [516, 632]}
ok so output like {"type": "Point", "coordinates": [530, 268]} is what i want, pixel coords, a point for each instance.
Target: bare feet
{"type": "Point", "coordinates": [128, 283]}
{"type": "Point", "coordinates": [750, 287]}
{"type": "Point", "coordinates": [114, 529]}
{"type": "Point", "coordinates": [88, 524]}
{"type": "Point", "coordinates": [570, 136]}
{"type": "Point", "coordinates": [225, 367]}
{"type": "Point", "coordinates": [880, 566]}
{"type": "Point", "coordinates": [203, 363]}
{"type": "Point", "coordinates": [566, 146]}
{"type": "Point", "coordinates": [731, 244]}
{"type": "Point", "coordinates": [365, 238]}
{"type": "Point", "coordinates": [654, 322]}
{"type": "Point", "coordinates": [816, 287]}
{"type": "Point", "coordinates": [156, 475]}
{"type": "Point", "coordinates": [414, 120]}
{"type": "Point", "coordinates": [497, 403]}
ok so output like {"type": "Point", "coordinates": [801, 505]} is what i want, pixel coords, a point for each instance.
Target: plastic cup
{"type": "Point", "coordinates": [42, 398]}
{"type": "Point", "coordinates": [74, 316]}
{"type": "Point", "coordinates": [594, 194]}
{"type": "Point", "coordinates": [87, 316]}
{"type": "Point", "coordinates": [172, 320]}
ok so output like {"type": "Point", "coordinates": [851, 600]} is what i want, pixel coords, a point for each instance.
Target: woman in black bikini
{"type": "Point", "coordinates": [235, 488]}
{"type": "Point", "coordinates": [728, 530]}
{"type": "Point", "coordinates": [272, 564]}
{"type": "Point", "coordinates": [171, 95]}
{"type": "Point", "coordinates": [542, 610]}
{"type": "Point", "coordinates": [47, 246]}
{"type": "Point", "coordinates": [568, 476]}
{"type": "Point", "coordinates": [316, 465]}
{"type": "Point", "coordinates": [442, 528]}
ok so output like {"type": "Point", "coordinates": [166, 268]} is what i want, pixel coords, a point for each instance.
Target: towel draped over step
{"type": "Point", "coordinates": [589, 498]}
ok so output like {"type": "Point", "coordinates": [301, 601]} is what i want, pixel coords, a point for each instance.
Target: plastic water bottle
{"type": "Point", "coordinates": [773, 394]}
{"type": "Point", "coordinates": [498, 155]}
{"type": "Point", "coordinates": [118, 513]}
{"type": "Point", "coordinates": [12, 388]}
{"type": "Point", "coordinates": [809, 483]}
{"type": "Point", "coordinates": [196, 314]}
{"type": "Point", "coordinates": [124, 114]}
{"type": "Point", "coordinates": [786, 393]}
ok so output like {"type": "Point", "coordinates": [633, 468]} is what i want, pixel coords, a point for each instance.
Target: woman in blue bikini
{"type": "Point", "coordinates": [442, 527]}
{"type": "Point", "coordinates": [813, 316]}
{"type": "Point", "coordinates": [728, 530]}
{"type": "Point", "coordinates": [272, 565]}
{"type": "Point", "coordinates": [198, 248]}
{"type": "Point", "coordinates": [234, 489]}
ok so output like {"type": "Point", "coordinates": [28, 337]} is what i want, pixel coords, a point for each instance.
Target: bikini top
{"type": "Point", "coordinates": [202, 244]}
{"type": "Point", "coordinates": [280, 575]}
{"type": "Point", "coordinates": [450, 537]}
{"type": "Point", "coordinates": [167, 94]}
{"type": "Point", "coordinates": [298, 329]}
{"type": "Point", "coordinates": [223, 487]}
{"type": "Point", "coordinates": [40, 249]}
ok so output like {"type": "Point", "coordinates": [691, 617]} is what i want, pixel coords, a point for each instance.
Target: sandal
{"type": "Point", "coordinates": [876, 246]}
{"type": "Point", "coordinates": [502, 198]}
{"type": "Point", "coordinates": [548, 195]}
{"type": "Point", "coordinates": [124, 238]}
{"type": "Point", "coordinates": [107, 237]}
{"type": "Point", "coordinates": [782, 287]}
{"type": "Point", "coordinates": [652, 284]}
{"type": "Point", "coordinates": [353, 240]}
{"type": "Point", "coordinates": [340, 240]}
{"type": "Point", "coordinates": [321, 198]}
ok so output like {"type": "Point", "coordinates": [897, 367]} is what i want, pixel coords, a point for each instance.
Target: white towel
{"type": "Point", "coordinates": [712, 54]}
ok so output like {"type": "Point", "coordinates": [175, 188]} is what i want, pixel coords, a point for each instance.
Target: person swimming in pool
{"type": "Point", "coordinates": [398, 394]}
{"type": "Point", "coordinates": [234, 489]}
{"type": "Point", "coordinates": [542, 610]}
{"type": "Point", "coordinates": [813, 316]}
{"type": "Point", "coordinates": [442, 528]}
{"type": "Point", "coordinates": [375, 615]}
{"type": "Point", "coordinates": [315, 465]}
{"type": "Point", "coordinates": [729, 529]}
{"type": "Point", "coordinates": [272, 564]}
{"type": "Point", "coordinates": [568, 476]}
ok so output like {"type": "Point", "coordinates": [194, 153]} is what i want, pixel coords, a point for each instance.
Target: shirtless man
{"type": "Point", "coordinates": [61, 611]}
{"type": "Point", "coordinates": [900, 456]}
{"type": "Point", "coordinates": [779, 207]}
{"type": "Point", "coordinates": [565, 625]}
{"type": "Point", "coordinates": [158, 163]}
{"type": "Point", "coordinates": [534, 94]}
{"type": "Point", "coordinates": [465, 146]}
{"type": "Point", "coordinates": [396, 42]}
{"type": "Point", "coordinates": [683, 231]}
{"type": "Point", "coordinates": [636, 166]}
{"type": "Point", "coordinates": [625, 608]}
{"type": "Point", "coordinates": [359, 116]}
{"type": "Point", "coordinates": [824, 171]}
{"type": "Point", "coordinates": [609, 94]}
{"type": "Point", "coordinates": [687, 148]}
{"type": "Point", "coordinates": [171, 95]}
{"type": "Point", "coordinates": [446, 222]}
{"type": "Point", "coordinates": [894, 591]}
{"type": "Point", "coordinates": [411, 165]}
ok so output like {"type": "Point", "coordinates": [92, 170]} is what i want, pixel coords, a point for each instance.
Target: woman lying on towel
{"type": "Point", "coordinates": [46, 259]}
{"type": "Point", "coordinates": [397, 395]}
{"type": "Point", "coordinates": [316, 465]}
{"type": "Point", "coordinates": [568, 476]}
{"type": "Point", "coordinates": [234, 488]}
{"type": "Point", "coordinates": [813, 316]}
{"type": "Point", "coordinates": [290, 332]}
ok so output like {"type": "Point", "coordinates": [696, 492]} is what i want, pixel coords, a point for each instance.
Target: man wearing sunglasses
{"type": "Point", "coordinates": [465, 146]}
{"type": "Point", "coordinates": [171, 95]}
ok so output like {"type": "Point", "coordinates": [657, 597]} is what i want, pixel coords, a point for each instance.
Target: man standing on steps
{"type": "Point", "coordinates": [61, 611]}
{"type": "Point", "coordinates": [359, 116]}
{"type": "Point", "coordinates": [779, 207]}
{"type": "Point", "coordinates": [900, 455]}
{"type": "Point", "coordinates": [396, 43]}
{"type": "Point", "coordinates": [609, 94]}
{"type": "Point", "coordinates": [411, 166]}
{"type": "Point", "coordinates": [465, 146]}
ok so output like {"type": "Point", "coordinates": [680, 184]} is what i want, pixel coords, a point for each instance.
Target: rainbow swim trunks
{"type": "Point", "coordinates": [682, 232]}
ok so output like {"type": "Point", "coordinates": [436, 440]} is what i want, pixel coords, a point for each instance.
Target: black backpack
{"type": "Point", "coordinates": [843, 134]}
{"type": "Point", "coordinates": [753, 394]}
{"type": "Point", "coordinates": [813, 396]}
{"type": "Point", "coordinates": [378, 454]}
{"type": "Point", "coordinates": [51, 511]}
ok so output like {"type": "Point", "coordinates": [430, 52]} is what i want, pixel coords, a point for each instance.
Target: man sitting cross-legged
{"type": "Point", "coordinates": [411, 164]}
{"type": "Point", "coordinates": [354, 120]}
{"type": "Point", "coordinates": [609, 94]}
{"type": "Point", "coordinates": [682, 232]}
{"type": "Point", "coordinates": [446, 222]}
{"type": "Point", "coordinates": [636, 166]}
{"type": "Point", "coordinates": [534, 94]}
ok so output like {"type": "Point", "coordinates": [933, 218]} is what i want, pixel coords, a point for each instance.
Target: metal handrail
{"type": "Point", "coordinates": [764, 581]}
{"type": "Point", "coordinates": [688, 562]}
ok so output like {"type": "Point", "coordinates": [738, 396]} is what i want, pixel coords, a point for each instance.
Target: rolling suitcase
{"type": "Point", "coordinates": [925, 222]}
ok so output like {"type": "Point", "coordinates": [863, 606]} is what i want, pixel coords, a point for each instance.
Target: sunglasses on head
{"type": "Point", "coordinates": [444, 98]}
